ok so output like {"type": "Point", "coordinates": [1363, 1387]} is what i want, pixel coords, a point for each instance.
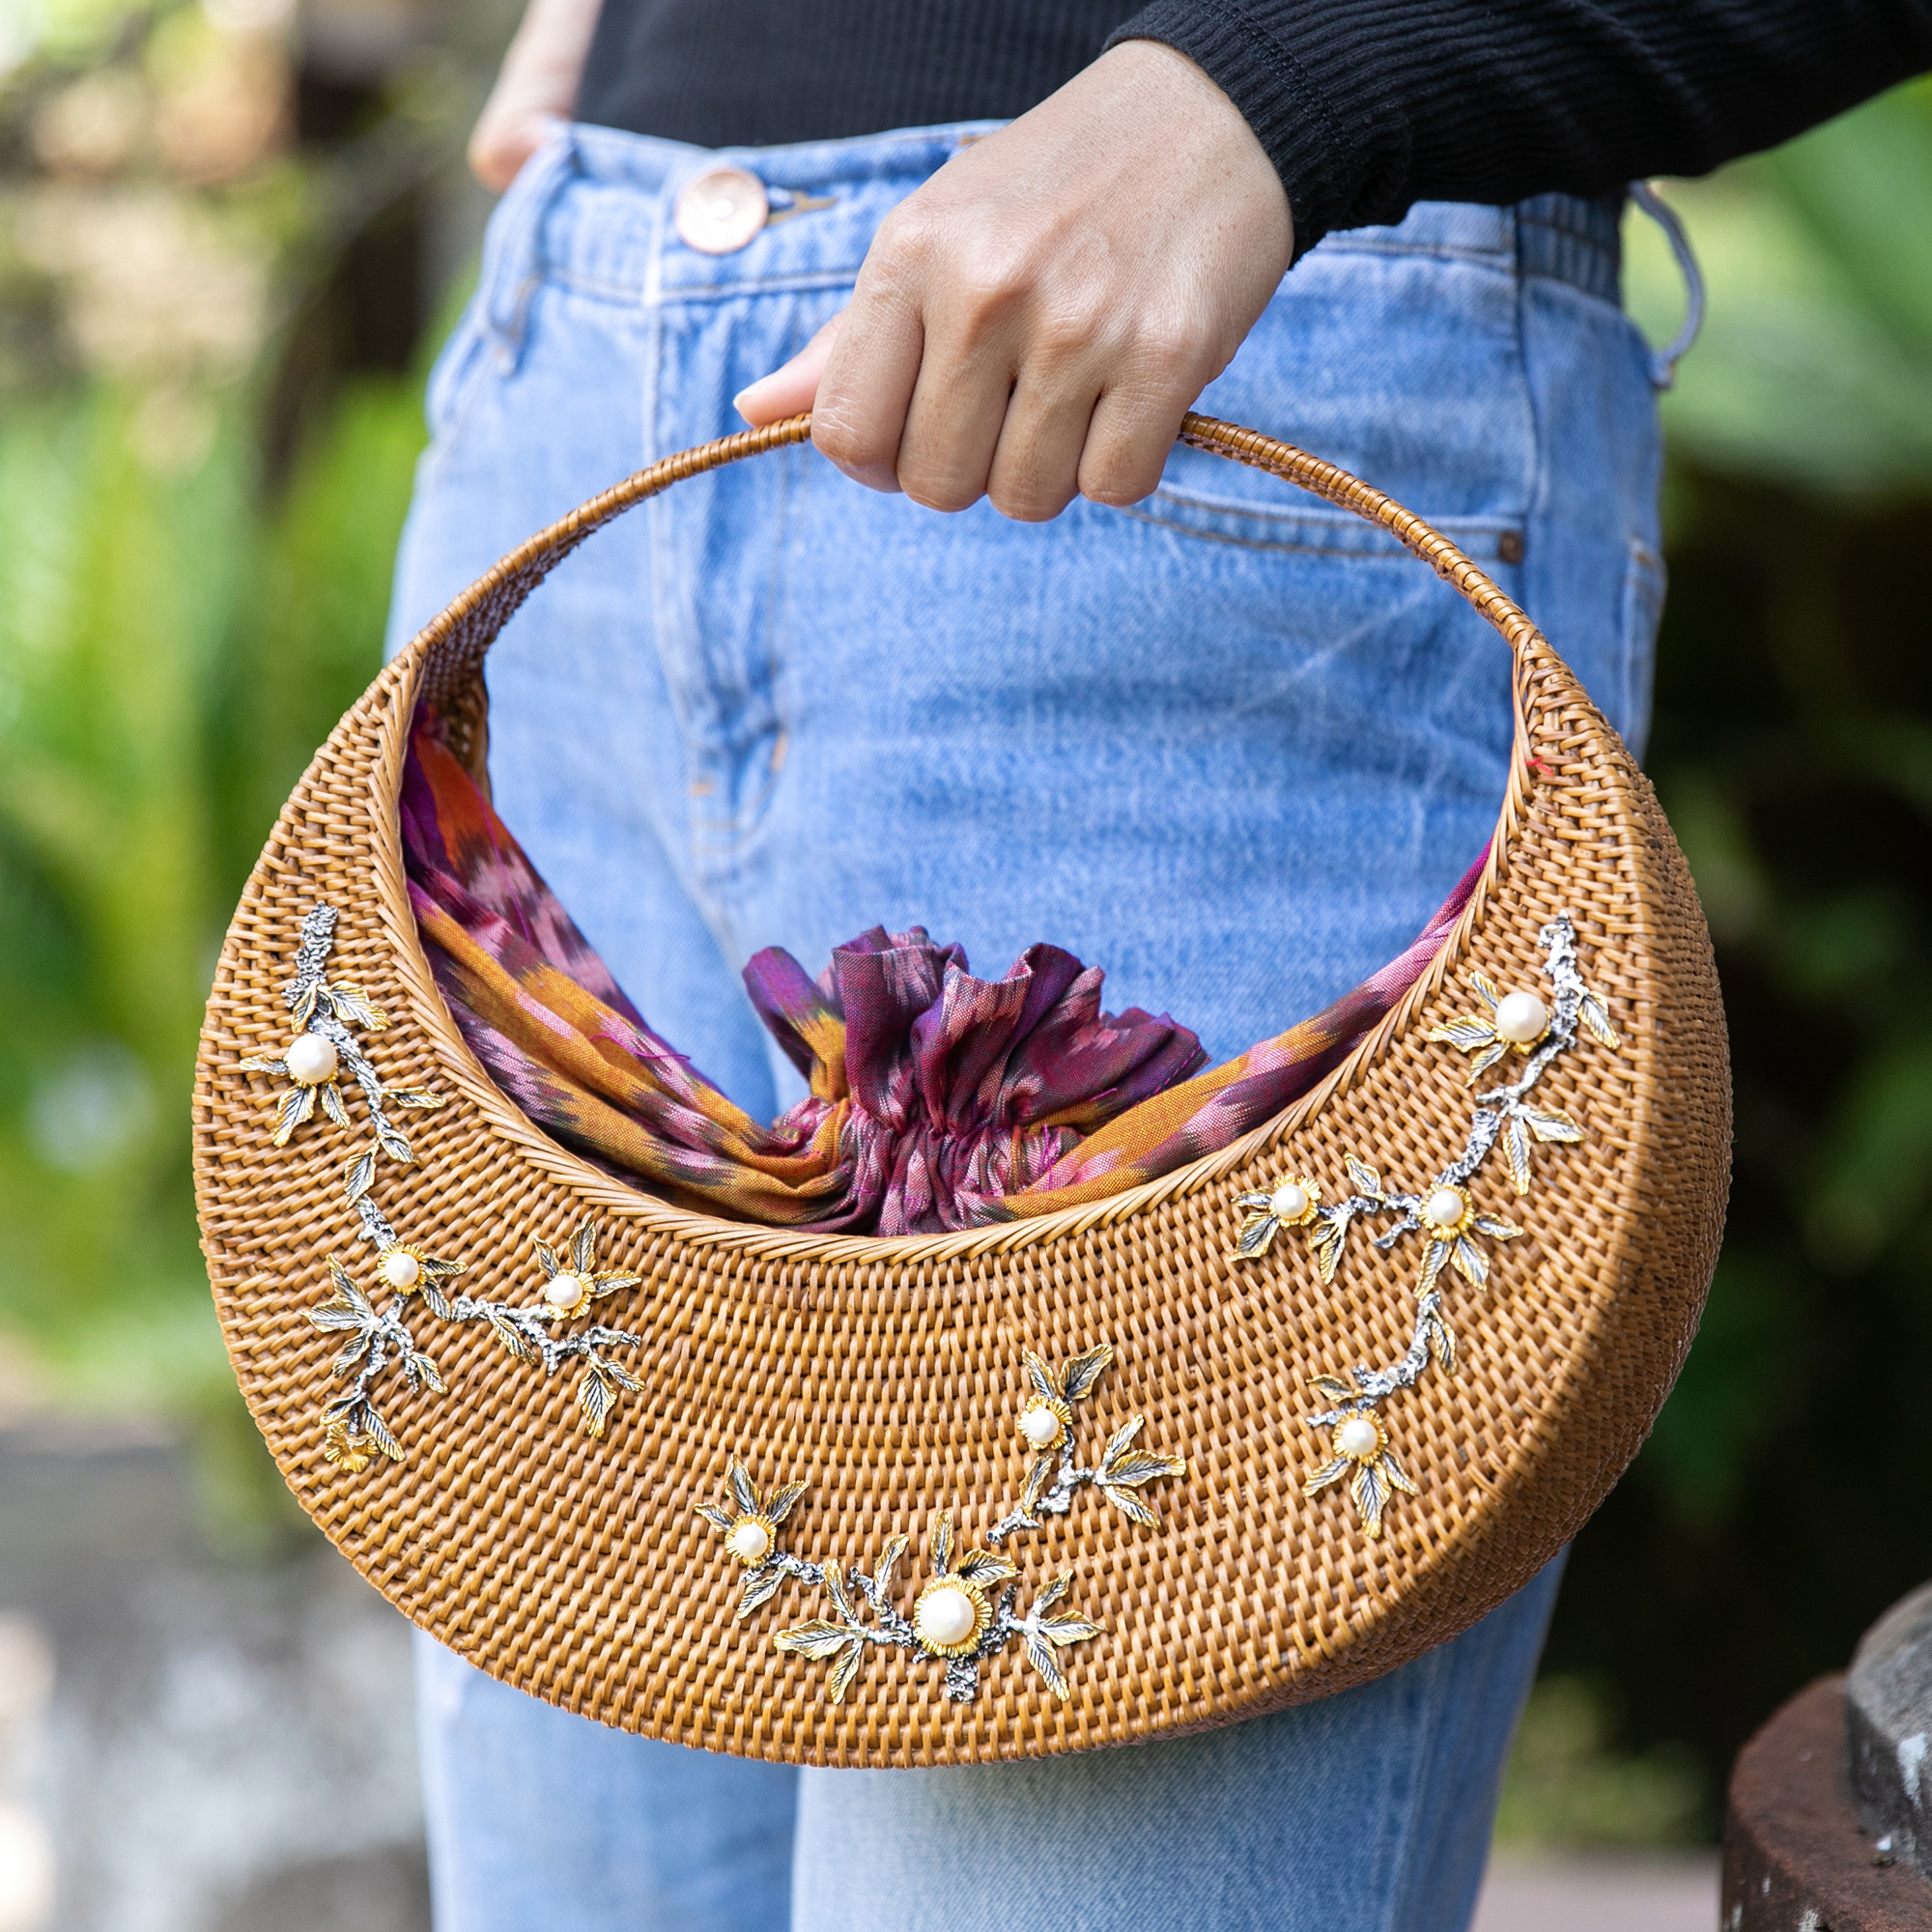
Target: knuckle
{"type": "Point", "coordinates": [1065, 333]}
{"type": "Point", "coordinates": [989, 275]}
{"type": "Point", "coordinates": [1028, 502]}
{"type": "Point", "coordinates": [1120, 476]}
{"type": "Point", "coordinates": [1167, 348]}
{"type": "Point", "coordinates": [841, 440]}
{"type": "Point", "coordinates": [938, 493]}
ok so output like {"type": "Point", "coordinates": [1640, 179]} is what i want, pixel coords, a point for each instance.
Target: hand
{"type": "Point", "coordinates": [1034, 320]}
{"type": "Point", "coordinates": [535, 90]}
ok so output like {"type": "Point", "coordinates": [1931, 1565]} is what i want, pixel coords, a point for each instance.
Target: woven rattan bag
{"type": "Point", "coordinates": [1254, 1431]}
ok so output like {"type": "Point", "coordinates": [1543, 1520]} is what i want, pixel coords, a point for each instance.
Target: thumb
{"type": "Point", "coordinates": [790, 391]}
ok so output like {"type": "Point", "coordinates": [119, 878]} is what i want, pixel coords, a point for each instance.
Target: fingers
{"type": "Point", "coordinates": [791, 389]}
{"type": "Point", "coordinates": [502, 142]}
{"type": "Point", "coordinates": [868, 384]}
{"type": "Point", "coordinates": [535, 89]}
{"type": "Point", "coordinates": [1034, 320]}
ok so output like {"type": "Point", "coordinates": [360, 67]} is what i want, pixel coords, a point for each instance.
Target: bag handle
{"type": "Point", "coordinates": [453, 644]}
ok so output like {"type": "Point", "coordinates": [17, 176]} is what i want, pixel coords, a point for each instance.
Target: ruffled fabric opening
{"type": "Point", "coordinates": [938, 1099]}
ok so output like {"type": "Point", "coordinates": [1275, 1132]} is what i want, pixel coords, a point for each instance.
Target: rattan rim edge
{"type": "Point", "coordinates": [398, 692]}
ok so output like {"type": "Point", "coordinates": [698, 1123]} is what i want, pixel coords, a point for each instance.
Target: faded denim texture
{"type": "Point", "coordinates": [1230, 745]}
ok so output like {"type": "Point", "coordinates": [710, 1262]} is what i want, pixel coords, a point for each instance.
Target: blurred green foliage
{"type": "Point", "coordinates": [1569, 1784]}
{"type": "Point", "coordinates": [172, 650]}
{"type": "Point", "coordinates": [1776, 1510]}
{"type": "Point", "coordinates": [188, 604]}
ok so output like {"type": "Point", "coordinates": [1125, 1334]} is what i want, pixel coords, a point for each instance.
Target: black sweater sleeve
{"type": "Point", "coordinates": [1367, 105]}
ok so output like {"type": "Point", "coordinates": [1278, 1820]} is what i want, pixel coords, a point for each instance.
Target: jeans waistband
{"type": "Point", "coordinates": [594, 212]}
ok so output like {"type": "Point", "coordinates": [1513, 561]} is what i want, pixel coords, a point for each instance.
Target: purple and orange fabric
{"type": "Point", "coordinates": [937, 1099]}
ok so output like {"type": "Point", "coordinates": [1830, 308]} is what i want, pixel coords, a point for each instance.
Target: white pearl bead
{"type": "Point", "coordinates": [311, 1060]}
{"type": "Point", "coordinates": [1290, 1202]}
{"type": "Point", "coordinates": [1039, 1425]}
{"type": "Point", "coordinates": [749, 1542]}
{"type": "Point", "coordinates": [1358, 1438]}
{"type": "Point", "coordinates": [1444, 1209]}
{"type": "Point", "coordinates": [401, 1269]}
{"type": "Point", "coordinates": [566, 1292]}
{"type": "Point", "coordinates": [1520, 1018]}
{"type": "Point", "coordinates": [945, 1615]}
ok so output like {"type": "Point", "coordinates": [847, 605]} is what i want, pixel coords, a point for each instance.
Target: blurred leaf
{"type": "Point", "coordinates": [1879, 1162]}
{"type": "Point", "coordinates": [1566, 1788]}
{"type": "Point", "coordinates": [1735, 1390]}
{"type": "Point", "coordinates": [169, 659]}
{"type": "Point", "coordinates": [1730, 881]}
{"type": "Point", "coordinates": [1813, 363]}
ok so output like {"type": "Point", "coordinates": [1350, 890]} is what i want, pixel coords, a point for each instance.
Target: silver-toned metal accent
{"type": "Point", "coordinates": [862, 1611]}
{"type": "Point", "coordinates": [1503, 1112]}
{"type": "Point", "coordinates": [328, 1012]}
{"type": "Point", "coordinates": [352, 1429]}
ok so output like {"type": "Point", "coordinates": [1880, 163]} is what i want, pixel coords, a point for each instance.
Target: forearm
{"type": "Point", "coordinates": [1367, 105]}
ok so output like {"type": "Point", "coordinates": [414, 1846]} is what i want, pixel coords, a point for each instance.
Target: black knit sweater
{"type": "Point", "coordinates": [1363, 105]}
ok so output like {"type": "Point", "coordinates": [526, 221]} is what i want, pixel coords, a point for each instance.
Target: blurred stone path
{"type": "Point", "coordinates": [1601, 1893]}
{"type": "Point", "coordinates": [203, 1747]}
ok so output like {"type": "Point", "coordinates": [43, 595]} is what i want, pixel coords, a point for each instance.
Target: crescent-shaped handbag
{"type": "Point", "coordinates": [1242, 1435]}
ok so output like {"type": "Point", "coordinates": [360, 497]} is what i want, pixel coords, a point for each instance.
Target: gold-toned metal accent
{"type": "Point", "coordinates": [982, 1614]}
{"type": "Point", "coordinates": [1062, 1414]}
{"type": "Point", "coordinates": [744, 1505]}
{"type": "Point", "coordinates": [596, 1283]}
{"type": "Point", "coordinates": [1263, 1223]}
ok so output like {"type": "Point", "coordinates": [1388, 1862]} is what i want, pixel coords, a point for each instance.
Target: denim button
{"type": "Point", "coordinates": [720, 209]}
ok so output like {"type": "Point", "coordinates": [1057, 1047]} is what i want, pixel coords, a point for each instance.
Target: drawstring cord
{"type": "Point", "coordinates": [1664, 361]}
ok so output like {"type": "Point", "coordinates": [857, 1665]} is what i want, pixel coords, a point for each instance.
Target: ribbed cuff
{"type": "Point", "coordinates": [1342, 150]}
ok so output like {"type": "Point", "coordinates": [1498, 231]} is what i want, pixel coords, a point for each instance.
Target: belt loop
{"type": "Point", "coordinates": [1664, 361]}
{"type": "Point", "coordinates": [513, 258]}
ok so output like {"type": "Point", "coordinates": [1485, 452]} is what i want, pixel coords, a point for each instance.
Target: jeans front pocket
{"type": "Point", "coordinates": [1404, 365]}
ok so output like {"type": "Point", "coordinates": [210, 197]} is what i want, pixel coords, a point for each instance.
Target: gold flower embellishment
{"type": "Point", "coordinates": [1296, 1204]}
{"type": "Point", "coordinates": [310, 1063]}
{"type": "Point", "coordinates": [952, 1612]}
{"type": "Point", "coordinates": [1360, 1444]}
{"type": "Point", "coordinates": [570, 1290]}
{"type": "Point", "coordinates": [1448, 1217]}
{"type": "Point", "coordinates": [407, 1269]}
{"type": "Point", "coordinates": [1513, 1022]}
{"type": "Point", "coordinates": [1047, 1417]}
{"type": "Point", "coordinates": [750, 1524]}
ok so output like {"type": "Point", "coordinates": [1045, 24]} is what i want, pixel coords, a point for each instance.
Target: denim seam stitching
{"type": "Point", "coordinates": [1277, 546]}
{"type": "Point", "coordinates": [1344, 520]}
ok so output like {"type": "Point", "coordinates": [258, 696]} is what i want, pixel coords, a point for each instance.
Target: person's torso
{"type": "Point", "coordinates": [728, 74]}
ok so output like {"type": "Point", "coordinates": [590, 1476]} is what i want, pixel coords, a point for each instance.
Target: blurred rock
{"type": "Point", "coordinates": [226, 1746]}
{"type": "Point", "coordinates": [1887, 1725]}
{"type": "Point", "coordinates": [1796, 1859]}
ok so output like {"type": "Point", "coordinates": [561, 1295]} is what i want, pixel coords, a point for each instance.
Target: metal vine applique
{"type": "Point", "coordinates": [379, 1338]}
{"type": "Point", "coordinates": [964, 1611]}
{"type": "Point", "coordinates": [1445, 1214]}
{"type": "Point", "coordinates": [312, 1062]}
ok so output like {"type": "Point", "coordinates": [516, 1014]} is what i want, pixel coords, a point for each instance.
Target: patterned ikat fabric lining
{"type": "Point", "coordinates": [938, 1099]}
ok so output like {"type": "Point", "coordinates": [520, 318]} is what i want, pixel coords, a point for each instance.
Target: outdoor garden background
{"type": "Point", "coordinates": [230, 237]}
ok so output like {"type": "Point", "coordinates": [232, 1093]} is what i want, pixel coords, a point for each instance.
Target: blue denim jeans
{"type": "Point", "coordinates": [1230, 745]}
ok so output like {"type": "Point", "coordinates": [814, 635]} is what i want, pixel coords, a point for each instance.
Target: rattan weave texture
{"type": "Point", "coordinates": [886, 1372]}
